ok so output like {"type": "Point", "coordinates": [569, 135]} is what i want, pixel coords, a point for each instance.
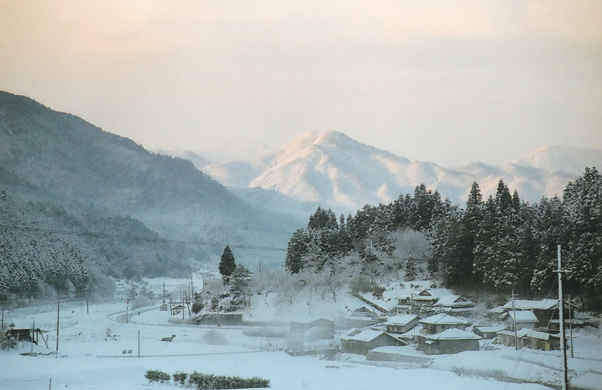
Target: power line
{"type": "Point", "coordinates": [136, 238]}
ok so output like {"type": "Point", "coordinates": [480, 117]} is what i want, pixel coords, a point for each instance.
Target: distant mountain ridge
{"type": "Point", "coordinates": [561, 158]}
{"type": "Point", "coordinates": [331, 169]}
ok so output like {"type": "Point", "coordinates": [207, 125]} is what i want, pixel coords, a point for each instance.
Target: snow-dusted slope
{"type": "Point", "coordinates": [331, 169]}
{"type": "Point", "coordinates": [561, 158]}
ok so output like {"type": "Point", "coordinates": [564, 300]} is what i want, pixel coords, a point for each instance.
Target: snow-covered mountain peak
{"type": "Point", "coordinates": [331, 169]}
{"type": "Point", "coordinates": [328, 144]}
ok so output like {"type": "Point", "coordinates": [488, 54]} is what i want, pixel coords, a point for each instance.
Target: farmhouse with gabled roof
{"type": "Point", "coordinates": [440, 322]}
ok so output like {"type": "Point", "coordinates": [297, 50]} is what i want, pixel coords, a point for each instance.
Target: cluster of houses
{"type": "Point", "coordinates": [436, 334]}
{"type": "Point", "coordinates": [437, 324]}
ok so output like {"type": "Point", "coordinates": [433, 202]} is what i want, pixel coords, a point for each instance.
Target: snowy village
{"type": "Point", "coordinates": [406, 331]}
{"type": "Point", "coordinates": [415, 290]}
{"type": "Point", "coordinates": [301, 195]}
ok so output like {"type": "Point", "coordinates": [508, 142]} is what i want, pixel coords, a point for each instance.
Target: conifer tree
{"type": "Point", "coordinates": [240, 286]}
{"type": "Point", "coordinates": [549, 227]}
{"type": "Point", "coordinates": [582, 201]}
{"type": "Point", "coordinates": [322, 219]}
{"type": "Point", "coordinates": [297, 249]}
{"type": "Point", "coordinates": [227, 264]}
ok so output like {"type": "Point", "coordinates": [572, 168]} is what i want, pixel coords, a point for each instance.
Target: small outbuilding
{"type": "Point", "coordinates": [508, 337]}
{"type": "Point", "coordinates": [530, 339]}
{"type": "Point", "coordinates": [449, 341]}
{"type": "Point", "coordinates": [541, 340]}
{"type": "Point", "coordinates": [26, 334]}
{"type": "Point", "coordinates": [361, 341]}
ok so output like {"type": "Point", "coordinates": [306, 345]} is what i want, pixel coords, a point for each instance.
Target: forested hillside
{"type": "Point", "coordinates": [45, 250]}
{"type": "Point", "coordinates": [495, 244]}
{"type": "Point", "coordinates": [80, 203]}
{"type": "Point", "coordinates": [59, 157]}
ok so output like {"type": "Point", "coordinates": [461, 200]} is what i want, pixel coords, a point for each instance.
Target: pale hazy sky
{"type": "Point", "coordinates": [449, 82]}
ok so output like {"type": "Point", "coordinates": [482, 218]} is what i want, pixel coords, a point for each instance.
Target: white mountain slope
{"type": "Point", "coordinates": [561, 158]}
{"type": "Point", "coordinates": [333, 170]}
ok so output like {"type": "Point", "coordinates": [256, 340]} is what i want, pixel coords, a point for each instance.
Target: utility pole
{"type": "Point", "coordinates": [138, 344]}
{"type": "Point", "coordinates": [33, 330]}
{"type": "Point", "coordinates": [561, 318]}
{"type": "Point", "coordinates": [127, 305]}
{"type": "Point", "coordinates": [58, 314]}
{"type": "Point", "coordinates": [571, 324]}
{"type": "Point", "coordinates": [514, 318]}
{"type": "Point", "coordinates": [309, 302]}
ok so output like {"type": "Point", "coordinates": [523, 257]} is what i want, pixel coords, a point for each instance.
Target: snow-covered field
{"type": "Point", "coordinates": [91, 353]}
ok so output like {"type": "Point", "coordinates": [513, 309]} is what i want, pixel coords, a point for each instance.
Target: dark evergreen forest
{"type": "Point", "coordinates": [496, 244]}
{"type": "Point", "coordinates": [45, 250]}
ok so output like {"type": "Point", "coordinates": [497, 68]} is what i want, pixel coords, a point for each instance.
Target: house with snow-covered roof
{"type": "Point", "coordinates": [440, 322]}
{"type": "Point", "coordinates": [403, 306]}
{"type": "Point", "coordinates": [529, 338]}
{"type": "Point", "coordinates": [361, 341]}
{"type": "Point", "coordinates": [522, 319]}
{"type": "Point", "coordinates": [401, 323]}
{"type": "Point", "coordinates": [545, 309]}
{"type": "Point", "coordinates": [488, 332]}
{"type": "Point", "coordinates": [455, 304]}
{"type": "Point", "coordinates": [452, 340]}
{"type": "Point", "coordinates": [425, 298]}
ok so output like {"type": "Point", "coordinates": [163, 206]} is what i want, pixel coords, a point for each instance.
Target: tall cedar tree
{"type": "Point", "coordinates": [227, 265]}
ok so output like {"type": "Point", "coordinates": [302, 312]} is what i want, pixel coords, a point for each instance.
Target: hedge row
{"type": "Point", "coordinates": [207, 381]}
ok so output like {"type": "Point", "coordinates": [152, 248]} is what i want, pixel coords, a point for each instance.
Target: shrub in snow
{"type": "Point", "coordinates": [157, 376]}
{"type": "Point", "coordinates": [197, 307]}
{"type": "Point", "coordinates": [210, 381]}
{"type": "Point", "coordinates": [377, 291]}
{"type": "Point", "coordinates": [180, 378]}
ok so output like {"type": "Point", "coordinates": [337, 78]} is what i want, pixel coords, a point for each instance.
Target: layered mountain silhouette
{"type": "Point", "coordinates": [249, 203]}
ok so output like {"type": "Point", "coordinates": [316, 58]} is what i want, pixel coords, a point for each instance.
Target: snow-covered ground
{"type": "Point", "coordinates": [91, 354]}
